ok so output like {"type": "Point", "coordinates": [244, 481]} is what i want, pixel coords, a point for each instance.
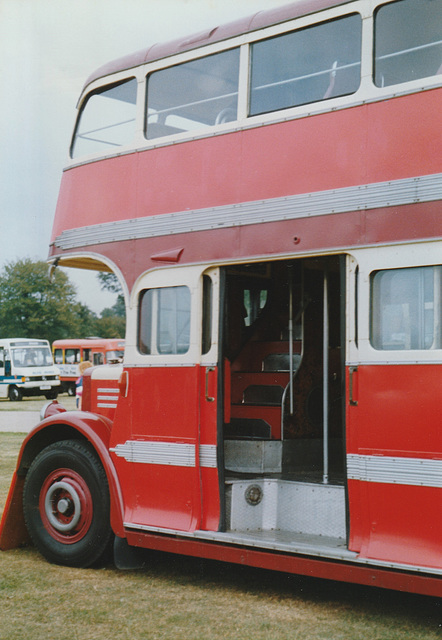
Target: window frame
{"type": "Point", "coordinates": [380, 310]}
{"type": "Point", "coordinates": [295, 32]}
{"type": "Point", "coordinates": [157, 313]}
{"type": "Point", "coordinates": [366, 262]}
{"type": "Point", "coordinates": [193, 278]}
{"type": "Point", "coordinates": [101, 88]}
{"type": "Point", "coordinates": [396, 53]}
{"type": "Point", "coordinates": [206, 128]}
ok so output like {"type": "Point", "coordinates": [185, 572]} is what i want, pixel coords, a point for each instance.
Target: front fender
{"type": "Point", "coordinates": [61, 426]}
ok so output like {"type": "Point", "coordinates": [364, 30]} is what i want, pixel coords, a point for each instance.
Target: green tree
{"type": "Point", "coordinates": [109, 282]}
{"type": "Point", "coordinates": [110, 325]}
{"type": "Point", "coordinates": [86, 321]}
{"type": "Point", "coordinates": [33, 307]}
{"type": "Point", "coordinates": [112, 321]}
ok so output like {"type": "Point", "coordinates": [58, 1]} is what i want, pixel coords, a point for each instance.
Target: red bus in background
{"type": "Point", "coordinates": [69, 353]}
{"type": "Point", "coordinates": [268, 195]}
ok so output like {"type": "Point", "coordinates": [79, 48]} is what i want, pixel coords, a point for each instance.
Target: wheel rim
{"type": "Point", "coordinates": [66, 506]}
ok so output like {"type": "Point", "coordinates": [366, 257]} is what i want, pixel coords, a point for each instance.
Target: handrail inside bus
{"type": "Point", "coordinates": [402, 52]}
{"type": "Point", "coordinates": [193, 104]}
{"type": "Point", "coordinates": [86, 134]}
{"type": "Point", "coordinates": [308, 76]}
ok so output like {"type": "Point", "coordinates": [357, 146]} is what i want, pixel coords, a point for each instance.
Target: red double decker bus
{"type": "Point", "coordinates": [268, 194]}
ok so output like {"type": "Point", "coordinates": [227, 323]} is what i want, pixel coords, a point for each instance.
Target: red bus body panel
{"type": "Point", "coordinates": [164, 411]}
{"type": "Point", "coordinates": [329, 570]}
{"type": "Point", "coordinates": [397, 415]}
{"type": "Point", "coordinates": [355, 146]}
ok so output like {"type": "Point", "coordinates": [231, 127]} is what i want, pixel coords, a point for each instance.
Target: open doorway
{"type": "Point", "coordinates": [284, 380]}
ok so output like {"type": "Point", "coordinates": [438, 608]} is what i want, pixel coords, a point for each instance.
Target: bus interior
{"type": "Point", "coordinates": [284, 444]}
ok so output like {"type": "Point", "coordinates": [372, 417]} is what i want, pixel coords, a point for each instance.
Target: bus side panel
{"type": "Point", "coordinates": [398, 410]}
{"type": "Point", "coordinates": [394, 435]}
{"type": "Point", "coordinates": [158, 462]}
{"type": "Point", "coordinates": [405, 524]}
{"type": "Point", "coordinates": [354, 146]}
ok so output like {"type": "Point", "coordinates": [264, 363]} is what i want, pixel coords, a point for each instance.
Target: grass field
{"type": "Point", "coordinates": [189, 599]}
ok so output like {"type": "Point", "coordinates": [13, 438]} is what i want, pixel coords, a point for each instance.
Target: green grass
{"type": "Point", "coordinates": [189, 599]}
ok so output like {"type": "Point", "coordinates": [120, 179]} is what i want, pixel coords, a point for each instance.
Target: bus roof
{"type": "Point", "coordinates": [24, 340]}
{"type": "Point", "coordinates": [88, 342]}
{"type": "Point", "coordinates": [216, 34]}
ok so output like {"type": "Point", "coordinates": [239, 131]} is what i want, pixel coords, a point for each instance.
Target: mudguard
{"type": "Point", "coordinates": [61, 426]}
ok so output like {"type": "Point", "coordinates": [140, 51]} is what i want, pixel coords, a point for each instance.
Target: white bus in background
{"type": "Point", "coordinates": [27, 369]}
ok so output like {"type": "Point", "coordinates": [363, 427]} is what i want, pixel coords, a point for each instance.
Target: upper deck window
{"type": "Point", "coordinates": [193, 95]}
{"type": "Point", "coordinates": [408, 41]}
{"type": "Point", "coordinates": [306, 66]}
{"type": "Point", "coordinates": [107, 119]}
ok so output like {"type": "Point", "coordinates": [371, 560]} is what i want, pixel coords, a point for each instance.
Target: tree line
{"type": "Point", "coordinates": [33, 307]}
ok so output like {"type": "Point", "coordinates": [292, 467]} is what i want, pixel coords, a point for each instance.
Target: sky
{"type": "Point", "coordinates": [47, 50]}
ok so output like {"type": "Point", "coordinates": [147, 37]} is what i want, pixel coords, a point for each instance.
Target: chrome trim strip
{"type": "Point", "coordinates": [106, 405]}
{"type": "Point", "coordinates": [359, 198]}
{"type": "Point", "coordinates": [163, 453]}
{"type": "Point", "coordinates": [111, 390]}
{"type": "Point", "coordinates": [175, 454]}
{"type": "Point", "coordinates": [426, 360]}
{"type": "Point", "coordinates": [208, 456]}
{"type": "Point", "coordinates": [420, 472]}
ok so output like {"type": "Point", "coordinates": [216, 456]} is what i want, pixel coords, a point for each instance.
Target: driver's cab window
{"type": "Point", "coordinates": [164, 321]}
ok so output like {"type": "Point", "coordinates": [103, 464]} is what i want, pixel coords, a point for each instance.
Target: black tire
{"type": "Point", "coordinates": [15, 394]}
{"type": "Point", "coordinates": [51, 395]}
{"type": "Point", "coordinates": [71, 389]}
{"type": "Point", "coordinates": [66, 505]}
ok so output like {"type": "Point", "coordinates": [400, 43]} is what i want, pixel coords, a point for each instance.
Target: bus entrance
{"type": "Point", "coordinates": [284, 445]}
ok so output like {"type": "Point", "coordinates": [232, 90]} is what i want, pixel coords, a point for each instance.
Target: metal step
{"type": "Point", "coordinates": [272, 504]}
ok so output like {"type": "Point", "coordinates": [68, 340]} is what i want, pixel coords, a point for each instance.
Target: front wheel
{"type": "Point", "coordinates": [15, 394]}
{"type": "Point", "coordinates": [66, 505]}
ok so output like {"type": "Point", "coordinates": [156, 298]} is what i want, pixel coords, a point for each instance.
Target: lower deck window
{"type": "Point", "coordinates": [406, 309]}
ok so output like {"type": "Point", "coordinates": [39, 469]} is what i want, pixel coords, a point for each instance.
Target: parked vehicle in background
{"type": "Point", "coordinates": [27, 369]}
{"type": "Point", "coordinates": [69, 353]}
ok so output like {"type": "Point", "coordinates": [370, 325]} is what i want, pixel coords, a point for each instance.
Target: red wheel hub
{"type": "Point", "coordinates": [66, 506]}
